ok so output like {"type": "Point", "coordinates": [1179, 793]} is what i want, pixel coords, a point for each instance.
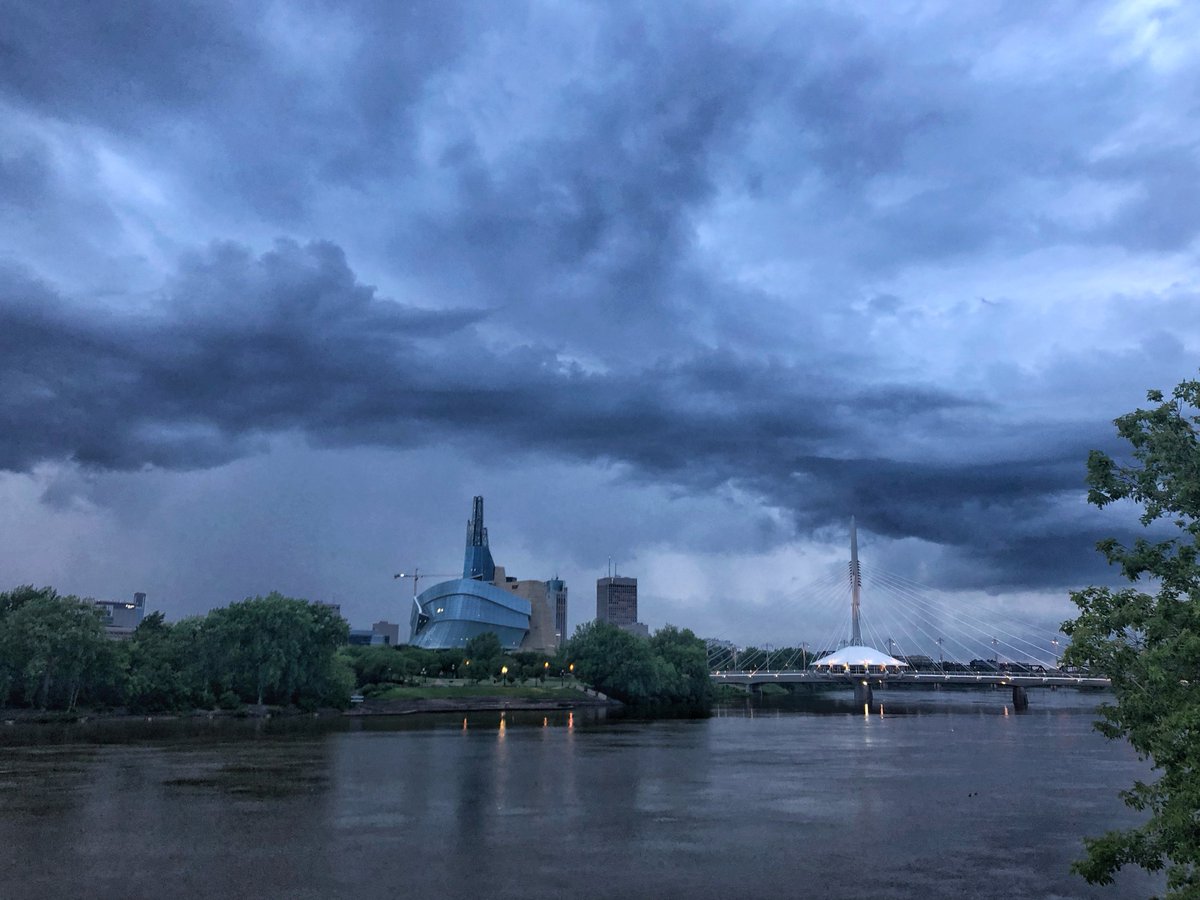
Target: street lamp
{"type": "Point", "coordinates": [503, 674]}
{"type": "Point", "coordinates": [1054, 641]}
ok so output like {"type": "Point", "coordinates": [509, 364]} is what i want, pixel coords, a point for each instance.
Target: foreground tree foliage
{"type": "Point", "coordinates": [266, 650]}
{"type": "Point", "coordinates": [669, 670]}
{"type": "Point", "coordinates": [1149, 643]}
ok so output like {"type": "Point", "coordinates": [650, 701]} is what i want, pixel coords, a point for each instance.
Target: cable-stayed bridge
{"type": "Point", "coordinates": [908, 635]}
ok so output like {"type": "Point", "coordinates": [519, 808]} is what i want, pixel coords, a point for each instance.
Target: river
{"type": "Point", "coordinates": [940, 795]}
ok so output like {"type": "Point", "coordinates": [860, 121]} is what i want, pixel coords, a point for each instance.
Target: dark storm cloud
{"type": "Point", "coordinates": [121, 66]}
{"type": "Point", "coordinates": [600, 199]}
{"type": "Point", "coordinates": [245, 346]}
{"type": "Point", "coordinates": [261, 104]}
{"type": "Point", "coordinates": [291, 342]}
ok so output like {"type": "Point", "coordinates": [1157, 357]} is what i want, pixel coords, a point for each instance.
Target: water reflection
{"type": "Point", "coordinates": [933, 799]}
{"type": "Point", "coordinates": [914, 702]}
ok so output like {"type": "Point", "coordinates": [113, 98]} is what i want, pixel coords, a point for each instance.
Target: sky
{"type": "Point", "coordinates": [683, 286]}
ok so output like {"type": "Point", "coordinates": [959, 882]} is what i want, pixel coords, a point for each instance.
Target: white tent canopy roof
{"type": "Point", "coordinates": [858, 656]}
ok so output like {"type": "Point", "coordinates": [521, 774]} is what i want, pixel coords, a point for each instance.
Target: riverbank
{"type": "Point", "coordinates": [404, 707]}
{"type": "Point", "coordinates": [397, 702]}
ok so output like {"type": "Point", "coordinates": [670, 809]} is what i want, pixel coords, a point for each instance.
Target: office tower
{"type": "Point", "coordinates": [556, 589]}
{"type": "Point", "coordinates": [616, 600]}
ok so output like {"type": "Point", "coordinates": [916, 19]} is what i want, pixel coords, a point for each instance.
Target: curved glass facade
{"type": "Point", "coordinates": [449, 614]}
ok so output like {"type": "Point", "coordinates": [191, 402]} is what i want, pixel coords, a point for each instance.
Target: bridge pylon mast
{"type": "Point", "coordinates": [855, 586]}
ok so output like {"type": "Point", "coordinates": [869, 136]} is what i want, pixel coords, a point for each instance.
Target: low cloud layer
{"type": "Point", "coordinates": [242, 348]}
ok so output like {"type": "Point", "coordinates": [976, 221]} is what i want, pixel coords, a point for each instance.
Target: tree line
{"type": "Point", "coordinates": [281, 651]}
{"type": "Point", "coordinates": [667, 672]}
{"type": "Point", "coordinates": [483, 658]}
{"type": "Point", "coordinates": [275, 650]}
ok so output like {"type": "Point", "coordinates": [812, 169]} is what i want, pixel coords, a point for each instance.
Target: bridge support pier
{"type": "Point", "coordinates": [862, 692]}
{"type": "Point", "coordinates": [1020, 698]}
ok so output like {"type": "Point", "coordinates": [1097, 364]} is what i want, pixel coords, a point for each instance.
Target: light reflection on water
{"type": "Point", "coordinates": [944, 795]}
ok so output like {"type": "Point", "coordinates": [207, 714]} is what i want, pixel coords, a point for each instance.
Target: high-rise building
{"type": "Point", "coordinates": [557, 591]}
{"type": "Point", "coordinates": [616, 600]}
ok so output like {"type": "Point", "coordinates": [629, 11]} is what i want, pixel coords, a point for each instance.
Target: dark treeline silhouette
{"type": "Point", "coordinates": [274, 650]}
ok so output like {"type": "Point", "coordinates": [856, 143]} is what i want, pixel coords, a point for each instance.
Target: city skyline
{"type": "Point", "coordinates": [687, 286]}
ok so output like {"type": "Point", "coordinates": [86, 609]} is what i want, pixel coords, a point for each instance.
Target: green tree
{"type": "Point", "coordinates": [449, 662]}
{"type": "Point", "coordinates": [159, 678]}
{"type": "Point", "coordinates": [11, 601]}
{"type": "Point", "coordinates": [381, 665]}
{"type": "Point", "coordinates": [484, 653]}
{"type": "Point", "coordinates": [53, 648]}
{"type": "Point", "coordinates": [277, 649]}
{"type": "Point", "coordinates": [688, 660]}
{"type": "Point", "coordinates": [617, 663]}
{"type": "Point", "coordinates": [1149, 643]}
{"type": "Point", "coordinates": [196, 659]}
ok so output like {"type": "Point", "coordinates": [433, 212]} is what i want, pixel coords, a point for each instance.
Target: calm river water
{"type": "Point", "coordinates": [944, 795]}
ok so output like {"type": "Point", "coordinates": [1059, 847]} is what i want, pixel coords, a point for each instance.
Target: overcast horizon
{"type": "Point", "coordinates": [283, 286]}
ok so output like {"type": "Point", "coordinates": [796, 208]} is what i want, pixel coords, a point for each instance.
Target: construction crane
{"type": "Point", "coordinates": [416, 575]}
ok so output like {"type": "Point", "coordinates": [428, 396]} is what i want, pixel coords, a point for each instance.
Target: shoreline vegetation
{"type": "Point", "coordinates": [281, 656]}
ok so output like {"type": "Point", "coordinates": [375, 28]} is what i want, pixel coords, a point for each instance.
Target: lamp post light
{"type": "Point", "coordinates": [1054, 641]}
{"type": "Point", "coordinates": [503, 674]}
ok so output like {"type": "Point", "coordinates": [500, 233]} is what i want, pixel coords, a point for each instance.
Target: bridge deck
{"type": "Point", "coordinates": [932, 678]}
